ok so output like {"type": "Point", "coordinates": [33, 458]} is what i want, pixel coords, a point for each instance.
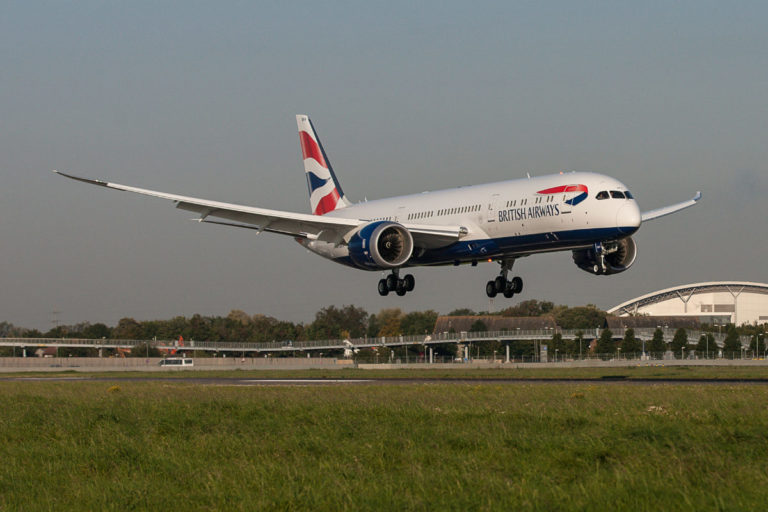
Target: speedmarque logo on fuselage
{"type": "Point", "coordinates": [550, 210]}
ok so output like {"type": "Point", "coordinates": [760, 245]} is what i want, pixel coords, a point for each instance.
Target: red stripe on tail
{"type": "Point", "coordinates": [310, 149]}
{"type": "Point", "coordinates": [327, 203]}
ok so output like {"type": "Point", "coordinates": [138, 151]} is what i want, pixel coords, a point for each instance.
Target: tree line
{"type": "Point", "coordinates": [349, 321]}
{"type": "Point", "coordinates": [330, 322]}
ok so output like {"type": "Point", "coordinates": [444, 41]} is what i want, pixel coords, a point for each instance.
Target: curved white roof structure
{"type": "Point", "coordinates": [716, 302]}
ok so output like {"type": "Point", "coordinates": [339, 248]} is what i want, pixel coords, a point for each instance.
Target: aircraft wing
{"type": "Point", "coordinates": [661, 212]}
{"type": "Point", "coordinates": [301, 225]}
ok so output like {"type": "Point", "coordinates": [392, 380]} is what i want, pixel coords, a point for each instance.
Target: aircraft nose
{"type": "Point", "coordinates": [628, 218]}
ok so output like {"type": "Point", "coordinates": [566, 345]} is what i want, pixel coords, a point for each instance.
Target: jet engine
{"type": "Point", "coordinates": [606, 258]}
{"type": "Point", "coordinates": [381, 245]}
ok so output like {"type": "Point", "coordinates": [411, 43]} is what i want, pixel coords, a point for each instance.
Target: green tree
{"type": "Point", "coordinates": [578, 344]}
{"type": "Point", "coordinates": [558, 346]}
{"type": "Point", "coordinates": [445, 349]}
{"type": "Point", "coordinates": [373, 326]}
{"type": "Point", "coordinates": [486, 348]}
{"type": "Point", "coordinates": [462, 312]}
{"type": "Point", "coordinates": [238, 316]}
{"type": "Point", "coordinates": [732, 344]}
{"type": "Point", "coordinates": [657, 346]}
{"type": "Point", "coordinates": [605, 345]}
{"type": "Point", "coordinates": [127, 329]}
{"type": "Point", "coordinates": [97, 331]}
{"type": "Point", "coordinates": [57, 332]}
{"type": "Point", "coordinates": [706, 345]}
{"type": "Point", "coordinates": [389, 322]}
{"type": "Point", "coordinates": [419, 322]}
{"type": "Point", "coordinates": [530, 307]}
{"type": "Point", "coordinates": [582, 317]}
{"type": "Point", "coordinates": [141, 350]}
{"type": "Point", "coordinates": [8, 330]}
{"type": "Point", "coordinates": [630, 344]}
{"type": "Point", "coordinates": [330, 322]}
{"type": "Point", "coordinates": [679, 342]}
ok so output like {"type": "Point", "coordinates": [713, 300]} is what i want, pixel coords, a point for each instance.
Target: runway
{"type": "Point", "coordinates": [225, 381]}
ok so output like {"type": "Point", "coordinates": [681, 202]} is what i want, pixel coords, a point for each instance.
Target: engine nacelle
{"type": "Point", "coordinates": [381, 245]}
{"type": "Point", "coordinates": [607, 258]}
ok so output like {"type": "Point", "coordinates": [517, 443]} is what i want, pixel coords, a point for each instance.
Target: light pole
{"type": "Point", "coordinates": [556, 351]}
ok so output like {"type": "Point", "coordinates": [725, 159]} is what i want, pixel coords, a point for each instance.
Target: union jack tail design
{"type": "Point", "coordinates": [325, 194]}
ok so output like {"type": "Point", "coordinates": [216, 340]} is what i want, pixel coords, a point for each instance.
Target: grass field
{"type": "Point", "coordinates": [393, 446]}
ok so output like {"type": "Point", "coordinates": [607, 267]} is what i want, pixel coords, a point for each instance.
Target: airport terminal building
{"type": "Point", "coordinates": [717, 303]}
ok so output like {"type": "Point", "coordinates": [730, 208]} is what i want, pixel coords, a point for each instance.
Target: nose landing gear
{"type": "Point", "coordinates": [393, 283]}
{"type": "Point", "coordinates": [502, 285]}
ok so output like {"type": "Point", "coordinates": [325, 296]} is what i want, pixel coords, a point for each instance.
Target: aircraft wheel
{"type": "Point", "coordinates": [401, 288]}
{"type": "Point", "coordinates": [383, 288]}
{"type": "Point", "coordinates": [391, 282]}
{"type": "Point", "coordinates": [490, 289]}
{"type": "Point", "coordinates": [409, 282]}
{"type": "Point", "coordinates": [517, 284]}
{"type": "Point", "coordinates": [501, 284]}
{"type": "Point", "coordinates": [509, 292]}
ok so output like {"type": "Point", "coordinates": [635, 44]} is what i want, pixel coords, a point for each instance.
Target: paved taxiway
{"type": "Point", "coordinates": [224, 381]}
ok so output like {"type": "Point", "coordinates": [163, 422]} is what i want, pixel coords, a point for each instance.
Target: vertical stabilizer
{"type": "Point", "coordinates": [325, 194]}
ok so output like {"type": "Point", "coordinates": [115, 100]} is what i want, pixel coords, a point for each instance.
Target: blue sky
{"type": "Point", "coordinates": [199, 99]}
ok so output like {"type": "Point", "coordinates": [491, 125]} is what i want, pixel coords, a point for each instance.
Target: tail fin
{"type": "Point", "coordinates": [325, 194]}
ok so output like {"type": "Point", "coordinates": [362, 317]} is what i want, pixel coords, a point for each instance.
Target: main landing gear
{"type": "Point", "coordinates": [393, 283]}
{"type": "Point", "coordinates": [502, 285]}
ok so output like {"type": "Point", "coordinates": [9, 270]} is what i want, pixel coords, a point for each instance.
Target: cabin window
{"type": "Point", "coordinates": [617, 194]}
{"type": "Point", "coordinates": [602, 195]}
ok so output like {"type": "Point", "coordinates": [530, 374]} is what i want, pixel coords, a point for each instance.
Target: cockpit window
{"type": "Point", "coordinates": [617, 194]}
{"type": "Point", "coordinates": [629, 196]}
{"type": "Point", "coordinates": [602, 195]}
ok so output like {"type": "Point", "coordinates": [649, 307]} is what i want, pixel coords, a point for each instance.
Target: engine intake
{"type": "Point", "coordinates": [381, 245]}
{"type": "Point", "coordinates": [607, 258]}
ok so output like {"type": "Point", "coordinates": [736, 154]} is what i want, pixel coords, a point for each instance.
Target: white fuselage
{"type": "Point", "coordinates": [508, 218]}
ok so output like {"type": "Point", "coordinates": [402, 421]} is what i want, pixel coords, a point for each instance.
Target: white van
{"type": "Point", "coordinates": [177, 362]}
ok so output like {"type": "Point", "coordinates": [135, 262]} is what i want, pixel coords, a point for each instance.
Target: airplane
{"type": "Point", "coordinates": [592, 215]}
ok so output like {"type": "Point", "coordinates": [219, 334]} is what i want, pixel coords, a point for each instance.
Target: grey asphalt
{"type": "Point", "coordinates": [225, 381]}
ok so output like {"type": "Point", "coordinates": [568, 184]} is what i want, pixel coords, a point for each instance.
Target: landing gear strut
{"type": "Point", "coordinates": [393, 283]}
{"type": "Point", "coordinates": [502, 285]}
